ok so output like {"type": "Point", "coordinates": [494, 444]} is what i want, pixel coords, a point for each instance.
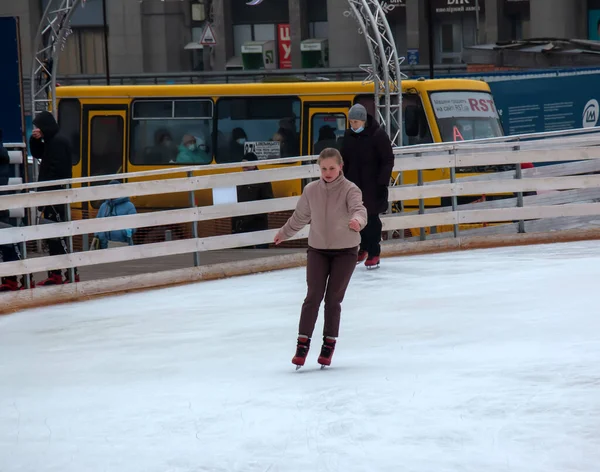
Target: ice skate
{"type": "Point", "coordinates": [362, 256]}
{"type": "Point", "coordinates": [326, 351]}
{"type": "Point", "coordinates": [54, 278]}
{"type": "Point", "coordinates": [301, 351]}
{"type": "Point", "coordinates": [372, 263]}
{"type": "Point", "coordinates": [9, 284]}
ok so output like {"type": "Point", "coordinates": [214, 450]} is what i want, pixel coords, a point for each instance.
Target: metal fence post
{"type": "Point", "coordinates": [194, 223]}
{"type": "Point", "coordinates": [70, 239]}
{"type": "Point", "coordinates": [455, 227]}
{"type": "Point", "coordinates": [519, 176]}
{"type": "Point", "coordinates": [422, 233]}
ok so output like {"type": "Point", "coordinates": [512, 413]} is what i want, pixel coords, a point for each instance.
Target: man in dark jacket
{"type": "Point", "coordinates": [368, 162]}
{"type": "Point", "coordinates": [54, 150]}
{"type": "Point", "coordinates": [250, 193]}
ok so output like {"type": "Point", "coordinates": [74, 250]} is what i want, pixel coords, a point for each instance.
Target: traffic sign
{"type": "Point", "coordinates": [208, 36]}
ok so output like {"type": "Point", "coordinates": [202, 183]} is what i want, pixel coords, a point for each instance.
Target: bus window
{"type": "Point", "coordinates": [69, 120]}
{"type": "Point", "coordinates": [465, 115]}
{"type": "Point", "coordinates": [407, 99]}
{"type": "Point", "coordinates": [106, 145]}
{"type": "Point", "coordinates": [167, 132]}
{"type": "Point", "coordinates": [267, 126]}
{"type": "Point", "coordinates": [327, 131]}
{"type": "Point", "coordinates": [424, 136]}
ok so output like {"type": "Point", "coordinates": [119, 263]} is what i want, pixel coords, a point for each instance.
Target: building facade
{"type": "Point", "coordinates": [156, 36]}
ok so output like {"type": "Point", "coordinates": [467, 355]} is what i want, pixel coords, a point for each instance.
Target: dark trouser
{"type": "Point", "coordinates": [371, 236]}
{"type": "Point", "coordinates": [328, 274]}
{"type": "Point", "coordinates": [56, 214]}
{"type": "Point", "coordinates": [56, 246]}
{"type": "Point", "coordinates": [9, 252]}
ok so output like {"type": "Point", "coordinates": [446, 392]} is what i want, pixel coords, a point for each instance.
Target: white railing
{"type": "Point", "coordinates": [580, 154]}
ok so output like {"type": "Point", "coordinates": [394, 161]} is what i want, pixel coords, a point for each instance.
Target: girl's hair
{"type": "Point", "coordinates": [330, 153]}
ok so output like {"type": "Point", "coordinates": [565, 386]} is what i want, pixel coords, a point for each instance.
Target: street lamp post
{"type": "Point", "coordinates": [106, 61]}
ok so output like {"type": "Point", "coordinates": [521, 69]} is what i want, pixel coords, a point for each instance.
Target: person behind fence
{"type": "Point", "coordinates": [250, 193]}
{"type": "Point", "coordinates": [334, 207]}
{"type": "Point", "coordinates": [369, 161]}
{"type": "Point", "coordinates": [54, 151]}
{"type": "Point", "coordinates": [115, 207]}
{"type": "Point", "coordinates": [8, 252]}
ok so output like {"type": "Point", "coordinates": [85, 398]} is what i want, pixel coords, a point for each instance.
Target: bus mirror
{"type": "Point", "coordinates": [411, 121]}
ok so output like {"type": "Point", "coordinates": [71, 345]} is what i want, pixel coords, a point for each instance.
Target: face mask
{"type": "Point", "coordinates": [191, 147]}
{"type": "Point", "coordinates": [241, 140]}
{"type": "Point", "coordinates": [358, 130]}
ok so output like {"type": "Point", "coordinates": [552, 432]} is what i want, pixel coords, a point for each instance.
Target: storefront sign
{"type": "Point", "coordinates": [285, 46]}
{"type": "Point", "coordinates": [388, 5]}
{"type": "Point", "coordinates": [458, 7]}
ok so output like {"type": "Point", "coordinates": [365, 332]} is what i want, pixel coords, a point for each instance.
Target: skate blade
{"type": "Point", "coordinates": [298, 367]}
{"type": "Point", "coordinates": [323, 367]}
{"type": "Point", "coordinates": [373, 267]}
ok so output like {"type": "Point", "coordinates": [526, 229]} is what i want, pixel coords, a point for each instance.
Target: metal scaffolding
{"type": "Point", "coordinates": [384, 69]}
{"type": "Point", "coordinates": [49, 42]}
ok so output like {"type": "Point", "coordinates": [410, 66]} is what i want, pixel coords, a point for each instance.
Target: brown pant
{"type": "Point", "coordinates": [328, 274]}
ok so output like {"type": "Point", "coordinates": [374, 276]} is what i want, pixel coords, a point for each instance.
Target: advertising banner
{"type": "Point", "coordinates": [11, 111]}
{"type": "Point", "coordinates": [285, 46]}
{"type": "Point", "coordinates": [547, 104]}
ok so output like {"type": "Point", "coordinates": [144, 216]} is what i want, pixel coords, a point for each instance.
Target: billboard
{"type": "Point", "coordinates": [534, 105]}
{"type": "Point", "coordinates": [284, 41]}
{"type": "Point", "coordinates": [11, 111]}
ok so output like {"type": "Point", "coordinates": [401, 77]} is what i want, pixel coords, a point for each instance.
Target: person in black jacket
{"type": "Point", "coordinates": [250, 193]}
{"type": "Point", "coordinates": [54, 150]}
{"type": "Point", "coordinates": [368, 163]}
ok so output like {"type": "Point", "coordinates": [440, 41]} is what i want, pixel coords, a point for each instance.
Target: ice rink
{"type": "Point", "coordinates": [481, 361]}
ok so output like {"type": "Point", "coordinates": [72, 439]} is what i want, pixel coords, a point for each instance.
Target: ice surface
{"type": "Point", "coordinates": [482, 361]}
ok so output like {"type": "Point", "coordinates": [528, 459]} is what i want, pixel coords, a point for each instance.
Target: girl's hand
{"type": "Point", "coordinates": [354, 225]}
{"type": "Point", "coordinates": [278, 238]}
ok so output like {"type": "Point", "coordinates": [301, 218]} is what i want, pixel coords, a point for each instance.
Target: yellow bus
{"type": "Point", "coordinates": [132, 128]}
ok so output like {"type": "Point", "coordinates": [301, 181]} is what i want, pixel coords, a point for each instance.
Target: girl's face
{"type": "Point", "coordinates": [330, 169]}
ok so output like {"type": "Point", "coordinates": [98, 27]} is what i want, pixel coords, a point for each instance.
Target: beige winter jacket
{"type": "Point", "coordinates": [328, 207]}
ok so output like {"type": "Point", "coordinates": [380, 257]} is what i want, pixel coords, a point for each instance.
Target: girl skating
{"type": "Point", "coordinates": [334, 208]}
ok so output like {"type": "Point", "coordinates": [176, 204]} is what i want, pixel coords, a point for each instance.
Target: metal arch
{"type": "Point", "coordinates": [49, 41]}
{"type": "Point", "coordinates": [385, 63]}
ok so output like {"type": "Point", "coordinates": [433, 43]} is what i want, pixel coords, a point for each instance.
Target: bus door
{"type": "Point", "coordinates": [104, 144]}
{"type": "Point", "coordinates": [326, 127]}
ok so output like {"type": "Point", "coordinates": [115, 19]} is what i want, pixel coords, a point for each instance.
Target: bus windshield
{"type": "Point", "coordinates": [465, 115]}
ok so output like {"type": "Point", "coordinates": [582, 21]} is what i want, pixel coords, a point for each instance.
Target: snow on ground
{"type": "Point", "coordinates": [481, 361]}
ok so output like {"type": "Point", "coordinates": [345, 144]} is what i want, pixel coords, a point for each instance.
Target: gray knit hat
{"type": "Point", "coordinates": [357, 112]}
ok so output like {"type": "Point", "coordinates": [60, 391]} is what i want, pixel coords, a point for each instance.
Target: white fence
{"type": "Point", "coordinates": [573, 182]}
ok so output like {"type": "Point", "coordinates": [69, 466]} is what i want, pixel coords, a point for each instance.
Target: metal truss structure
{"type": "Point", "coordinates": [384, 69]}
{"type": "Point", "coordinates": [50, 39]}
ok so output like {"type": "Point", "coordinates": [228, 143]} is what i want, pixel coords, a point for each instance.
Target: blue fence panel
{"type": "Point", "coordinates": [11, 111]}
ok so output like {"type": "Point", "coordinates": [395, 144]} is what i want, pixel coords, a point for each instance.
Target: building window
{"type": "Point", "coordinates": [166, 132]}
{"type": "Point", "coordinates": [69, 119]}
{"type": "Point", "coordinates": [245, 33]}
{"type": "Point", "coordinates": [318, 30]}
{"type": "Point", "coordinates": [267, 126]}
{"type": "Point", "coordinates": [83, 53]}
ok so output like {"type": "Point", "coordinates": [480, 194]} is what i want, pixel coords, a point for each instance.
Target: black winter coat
{"type": "Point", "coordinates": [250, 193]}
{"type": "Point", "coordinates": [368, 162]}
{"type": "Point", "coordinates": [4, 165]}
{"type": "Point", "coordinates": [54, 151]}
